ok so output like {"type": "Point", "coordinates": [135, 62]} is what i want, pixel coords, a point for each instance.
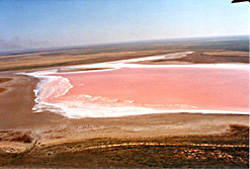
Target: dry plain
{"type": "Point", "coordinates": [46, 139]}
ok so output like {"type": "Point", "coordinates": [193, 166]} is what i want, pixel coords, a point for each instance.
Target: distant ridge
{"type": "Point", "coordinates": [104, 45]}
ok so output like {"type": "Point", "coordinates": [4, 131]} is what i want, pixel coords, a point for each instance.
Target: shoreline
{"type": "Point", "coordinates": [47, 124]}
{"type": "Point", "coordinates": [53, 74]}
{"type": "Point", "coordinates": [55, 136]}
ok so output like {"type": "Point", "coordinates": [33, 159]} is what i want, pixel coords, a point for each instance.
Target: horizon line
{"type": "Point", "coordinates": [59, 48]}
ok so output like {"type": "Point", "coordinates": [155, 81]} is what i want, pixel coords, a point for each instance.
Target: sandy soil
{"type": "Point", "coordinates": [4, 80]}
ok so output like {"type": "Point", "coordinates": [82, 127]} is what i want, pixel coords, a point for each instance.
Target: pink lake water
{"type": "Point", "coordinates": [127, 88]}
{"type": "Point", "coordinates": [145, 90]}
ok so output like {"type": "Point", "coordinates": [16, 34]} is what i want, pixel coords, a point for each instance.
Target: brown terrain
{"type": "Point", "coordinates": [225, 150]}
{"type": "Point", "coordinates": [43, 60]}
{"type": "Point", "coordinates": [179, 140]}
{"type": "Point", "coordinates": [206, 56]}
{"type": "Point", "coordinates": [2, 80]}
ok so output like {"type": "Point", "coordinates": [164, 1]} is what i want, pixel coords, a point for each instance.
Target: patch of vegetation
{"type": "Point", "coordinates": [16, 136]}
{"type": "Point", "coordinates": [234, 45]}
{"type": "Point", "coordinates": [227, 150]}
{"type": "Point", "coordinates": [25, 138]}
{"type": "Point", "coordinates": [52, 54]}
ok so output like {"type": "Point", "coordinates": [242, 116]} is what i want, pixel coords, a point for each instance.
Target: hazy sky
{"type": "Point", "coordinates": [26, 24]}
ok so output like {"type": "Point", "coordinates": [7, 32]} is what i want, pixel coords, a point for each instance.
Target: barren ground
{"type": "Point", "coordinates": [179, 140]}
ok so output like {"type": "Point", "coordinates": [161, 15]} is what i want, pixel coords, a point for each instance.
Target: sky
{"type": "Point", "coordinates": [31, 24]}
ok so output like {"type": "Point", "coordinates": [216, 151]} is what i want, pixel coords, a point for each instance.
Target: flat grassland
{"type": "Point", "coordinates": [180, 140]}
{"type": "Point", "coordinates": [228, 53]}
{"type": "Point", "coordinates": [43, 60]}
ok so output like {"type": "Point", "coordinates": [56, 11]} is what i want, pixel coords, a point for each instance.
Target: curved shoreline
{"type": "Point", "coordinates": [58, 136]}
{"type": "Point", "coordinates": [54, 74]}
